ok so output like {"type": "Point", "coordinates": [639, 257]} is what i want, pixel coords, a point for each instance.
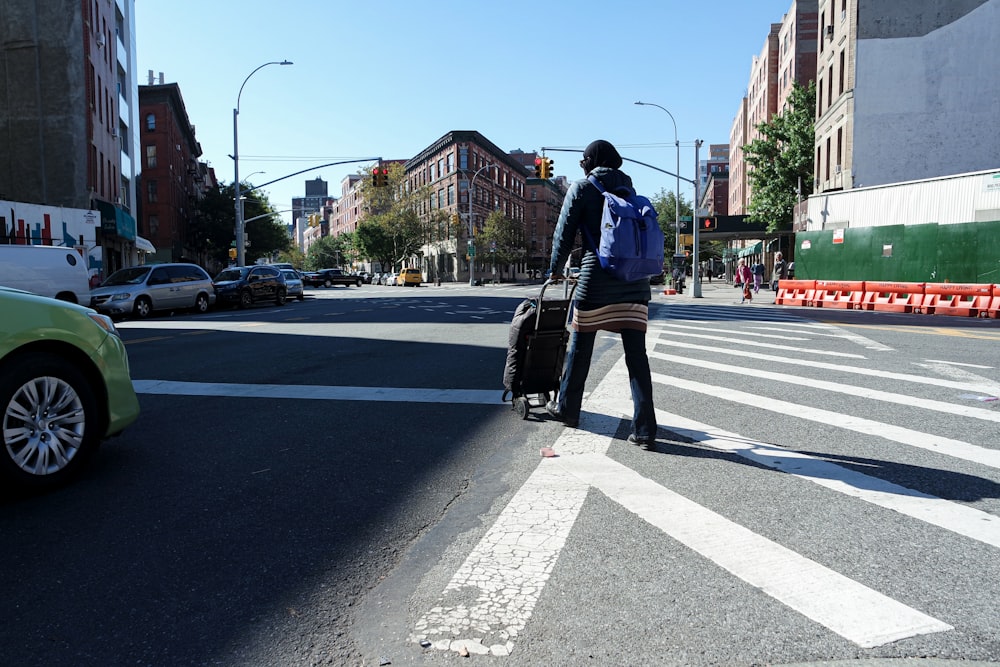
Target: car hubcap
{"type": "Point", "coordinates": [43, 426]}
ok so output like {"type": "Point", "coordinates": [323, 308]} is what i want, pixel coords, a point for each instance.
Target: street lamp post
{"type": "Point", "coordinates": [472, 256]}
{"type": "Point", "coordinates": [237, 191]}
{"type": "Point", "coordinates": [677, 196]}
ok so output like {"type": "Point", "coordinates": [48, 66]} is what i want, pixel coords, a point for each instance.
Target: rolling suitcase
{"type": "Point", "coordinates": [537, 347]}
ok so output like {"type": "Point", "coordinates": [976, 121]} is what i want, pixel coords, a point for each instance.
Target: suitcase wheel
{"type": "Point", "coordinates": [521, 407]}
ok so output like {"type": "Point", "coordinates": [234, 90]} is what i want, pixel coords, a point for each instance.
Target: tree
{"type": "Point", "coordinates": [214, 231]}
{"type": "Point", "coordinates": [331, 251]}
{"type": "Point", "coordinates": [782, 159]}
{"type": "Point", "coordinates": [391, 230]}
{"type": "Point", "coordinates": [666, 211]}
{"type": "Point", "coordinates": [503, 239]}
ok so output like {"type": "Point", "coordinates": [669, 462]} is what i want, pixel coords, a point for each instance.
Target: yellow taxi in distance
{"type": "Point", "coordinates": [409, 277]}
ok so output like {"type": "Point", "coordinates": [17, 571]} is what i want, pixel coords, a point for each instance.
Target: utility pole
{"type": "Point", "coordinates": [695, 276]}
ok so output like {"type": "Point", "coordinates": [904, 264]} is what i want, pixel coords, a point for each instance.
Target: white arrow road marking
{"type": "Point", "coordinates": [490, 599]}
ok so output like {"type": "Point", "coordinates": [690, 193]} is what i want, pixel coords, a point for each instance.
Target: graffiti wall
{"type": "Point", "coordinates": [32, 224]}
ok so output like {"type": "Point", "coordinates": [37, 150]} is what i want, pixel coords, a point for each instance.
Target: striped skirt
{"type": "Point", "coordinates": [614, 317]}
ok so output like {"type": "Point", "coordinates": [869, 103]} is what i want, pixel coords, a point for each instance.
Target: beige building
{"type": "Point", "coordinates": [904, 91]}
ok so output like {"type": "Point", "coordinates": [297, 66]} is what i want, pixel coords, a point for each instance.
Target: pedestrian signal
{"type": "Point", "coordinates": [708, 223]}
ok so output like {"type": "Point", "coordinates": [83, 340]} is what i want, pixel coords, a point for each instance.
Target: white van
{"type": "Point", "coordinates": [52, 271]}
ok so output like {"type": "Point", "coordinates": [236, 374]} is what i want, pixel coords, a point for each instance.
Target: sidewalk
{"type": "Point", "coordinates": [717, 291]}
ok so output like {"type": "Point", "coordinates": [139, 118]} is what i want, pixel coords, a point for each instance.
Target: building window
{"type": "Point", "coordinates": [451, 162]}
{"type": "Point", "coordinates": [842, 60]}
{"type": "Point", "coordinates": [150, 156]}
{"type": "Point", "coordinates": [463, 158]}
{"type": "Point", "coordinates": [154, 225]}
{"type": "Point", "coordinates": [150, 122]}
{"type": "Point", "coordinates": [151, 192]}
{"type": "Point", "coordinates": [451, 194]}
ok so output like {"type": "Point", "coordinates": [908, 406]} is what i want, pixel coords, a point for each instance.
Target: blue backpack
{"type": "Point", "coordinates": [631, 244]}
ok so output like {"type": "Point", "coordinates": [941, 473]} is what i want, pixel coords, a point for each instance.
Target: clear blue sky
{"type": "Point", "coordinates": [389, 78]}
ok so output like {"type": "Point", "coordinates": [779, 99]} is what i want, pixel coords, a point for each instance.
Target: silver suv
{"type": "Point", "coordinates": [140, 290]}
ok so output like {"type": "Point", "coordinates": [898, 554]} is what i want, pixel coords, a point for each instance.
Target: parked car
{"type": "Point", "coordinates": [245, 286]}
{"type": "Point", "coordinates": [64, 387]}
{"type": "Point", "coordinates": [54, 271]}
{"type": "Point", "coordinates": [409, 277]}
{"type": "Point", "coordinates": [294, 284]}
{"type": "Point", "coordinates": [331, 277]}
{"type": "Point", "coordinates": [141, 290]}
{"type": "Point", "coordinates": [389, 278]}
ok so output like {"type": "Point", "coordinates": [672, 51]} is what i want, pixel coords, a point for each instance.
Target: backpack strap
{"type": "Point", "coordinates": [597, 183]}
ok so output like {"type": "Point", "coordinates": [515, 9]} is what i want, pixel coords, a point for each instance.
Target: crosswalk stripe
{"type": "Point", "coordinates": [951, 516]}
{"type": "Point", "coordinates": [838, 387]}
{"type": "Point", "coordinates": [848, 608]}
{"type": "Point", "coordinates": [941, 445]}
{"type": "Point", "coordinates": [770, 346]}
{"type": "Point", "coordinates": [818, 365]}
{"type": "Point", "coordinates": [489, 601]}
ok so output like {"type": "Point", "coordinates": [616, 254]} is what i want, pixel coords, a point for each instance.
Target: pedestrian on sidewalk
{"type": "Point", "coordinates": [758, 275]}
{"type": "Point", "coordinates": [744, 278]}
{"type": "Point", "coordinates": [780, 272]}
{"type": "Point", "coordinates": [601, 301]}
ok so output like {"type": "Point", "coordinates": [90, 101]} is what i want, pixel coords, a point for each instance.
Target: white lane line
{"type": "Point", "coordinates": [957, 363]}
{"type": "Point", "coordinates": [848, 608]}
{"type": "Point", "coordinates": [905, 377]}
{"type": "Point", "coordinates": [941, 445]}
{"type": "Point", "coordinates": [840, 388]}
{"type": "Point", "coordinates": [320, 392]}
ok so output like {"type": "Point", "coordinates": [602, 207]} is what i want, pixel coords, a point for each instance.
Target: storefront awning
{"type": "Point", "coordinates": [144, 245]}
{"type": "Point", "coordinates": [755, 249]}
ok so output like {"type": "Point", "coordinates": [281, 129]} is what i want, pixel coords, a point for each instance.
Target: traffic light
{"type": "Point", "coordinates": [380, 176]}
{"type": "Point", "coordinates": [232, 253]}
{"type": "Point", "coordinates": [546, 168]}
{"type": "Point", "coordinates": [707, 223]}
{"type": "Point", "coordinates": [538, 167]}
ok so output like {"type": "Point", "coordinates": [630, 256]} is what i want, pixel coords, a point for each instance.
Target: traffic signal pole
{"type": "Point", "coordinates": [696, 264]}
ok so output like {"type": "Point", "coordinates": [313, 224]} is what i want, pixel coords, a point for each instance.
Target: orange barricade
{"type": "Point", "coordinates": [893, 297]}
{"type": "Point", "coordinates": [839, 293]}
{"type": "Point", "coordinates": [989, 306]}
{"type": "Point", "coordinates": [954, 298]}
{"type": "Point", "coordinates": [796, 292]}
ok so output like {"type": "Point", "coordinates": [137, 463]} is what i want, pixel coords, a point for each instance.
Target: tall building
{"type": "Point", "coordinates": [905, 91]}
{"type": "Point", "coordinates": [68, 94]}
{"type": "Point", "coordinates": [787, 57]}
{"type": "Point", "coordinates": [172, 180]}
{"type": "Point", "coordinates": [316, 194]}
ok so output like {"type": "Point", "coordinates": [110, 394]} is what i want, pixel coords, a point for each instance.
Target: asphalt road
{"type": "Point", "coordinates": [337, 482]}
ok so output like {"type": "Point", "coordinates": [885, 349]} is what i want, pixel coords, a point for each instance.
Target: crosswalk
{"type": "Point", "coordinates": [901, 444]}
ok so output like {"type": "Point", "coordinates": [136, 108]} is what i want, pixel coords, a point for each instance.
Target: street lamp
{"type": "Point", "coordinates": [254, 173]}
{"type": "Point", "coordinates": [240, 244]}
{"type": "Point", "coordinates": [472, 247]}
{"type": "Point", "coordinates": [677, 198]}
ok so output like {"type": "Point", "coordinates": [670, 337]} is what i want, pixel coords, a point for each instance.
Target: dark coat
{"type": "Point", "coordinates": [584, 205]}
